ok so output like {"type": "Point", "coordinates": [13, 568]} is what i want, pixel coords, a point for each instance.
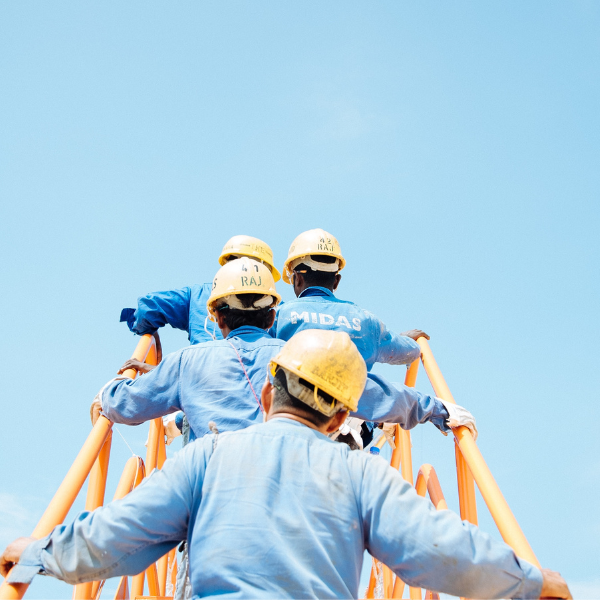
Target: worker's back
{"type": "Point", "coordinates": [318, 308]}
{"type": "Point", "coordinates": [278, 516]}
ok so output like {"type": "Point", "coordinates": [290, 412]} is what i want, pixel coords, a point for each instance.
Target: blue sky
{"type": "Point", "coordinates": [452, 149]}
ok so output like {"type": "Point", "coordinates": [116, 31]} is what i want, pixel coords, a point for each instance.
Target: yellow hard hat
{"type": "Point", "coordinates": [244, 245]}
{"type": "Point", "coordinates": [330, 361]}
{"type": "Point", "coordinates": [243, 276]}
{"type": "Point", "coordinates": [316, 242]}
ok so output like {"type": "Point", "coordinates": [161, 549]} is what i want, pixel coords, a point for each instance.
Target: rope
{"type": "Point", "coordinates": [246, 374]}
{"type": "Point", "coordinates": [132, 452]}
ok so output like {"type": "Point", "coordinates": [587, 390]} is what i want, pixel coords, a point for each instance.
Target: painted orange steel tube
{"type": "Point", "coordinates": [466, 488]}
{"type": "Point", "coordinates": [372, 582]}
{"type": "Point", "coordinates": [402, 457]}
{"type": "Point", "coordinates": [123, 590]}
{"type": "Point", "coordinates": [466, 485]}
{"type": "Point", "coordinates": [75, 478]}
{"type": "Point", "coordinates": [162, 564]}
{"type": "Point", "coordinates": [503, 517]}
{"type": "Point", "coordinates": [65, 495]}
{"type": "Point", "coordinates": [132, 476]}
{"type": "Point", "coordinates": [95, 498]}
{"type": "Point", "coordinates": [98, 475]}
{"type": "Point", "coordinates": [427, 481]}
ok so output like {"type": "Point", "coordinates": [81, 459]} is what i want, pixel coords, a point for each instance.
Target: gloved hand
{"type": "Point", "coordinates": [459, 416]}
{"type": "Point", "coordinates": [350, 426]}
{"type": "Point", "coordinates": [389, 430]}
{"type": "Point", "coordinates": [171, 429]}
{"type": "Point", "coordinates": [96, 407]}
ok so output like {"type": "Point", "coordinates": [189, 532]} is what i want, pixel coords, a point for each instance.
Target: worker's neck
{"type": "Point", "coordinates": [301, 288]}
{"type": "Point", "coordinates": [299, 419]}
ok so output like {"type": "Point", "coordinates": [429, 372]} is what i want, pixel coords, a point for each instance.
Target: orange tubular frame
{"type": "Point", "coordinates": [470, 469]}
{"type": "Point", "coordinates": [93, 460]}
{"type": "Point", "coordinates": [477, 468]}
{"type": "Point", "coordinates": [84, 465]}
{"type": "Point", "coordinates": [427, 481]}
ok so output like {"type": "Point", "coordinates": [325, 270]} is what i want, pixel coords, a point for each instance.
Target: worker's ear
{"type": "Point", "coordinates": [266, 396]}
{"type": "Point", "coordinates": [338, 278]}
{"type": "Point", "coordinates": [220, 319]}
{"type": "Point", "coordinates": [336, 421]}
{"type": "Point", "coordinates": [298, 281]}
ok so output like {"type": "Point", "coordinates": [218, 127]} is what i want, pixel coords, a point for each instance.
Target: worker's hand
{"type": "Point", "coordinates": [172, 431]}
{"type": "Point", "coordinates": [554, 586]}
{"type": "Point", "coordinates": [415, 334]}
{"type": "Point", "coordinates": [158, 347]}
{"type": "Point", "coordinates": [95, 410]}
{"type": "Point", "coordinates": [389, 431]}
{"type": "Point", "coordinates": [12, 553]}
{"type": "Point", "coordinates": [459, 417]}
{"type": "Point", "coordinates": [140, 367]}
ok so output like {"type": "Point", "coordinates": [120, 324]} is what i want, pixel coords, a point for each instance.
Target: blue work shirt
{"type": "Point", "coordinates": [182, 309]}
{"type": "Point", "coordinates": [280, 511]}
{"type": "Point", "coordinates": [318, 308]}
{"type": "Point", "coordinates": [208, 383]}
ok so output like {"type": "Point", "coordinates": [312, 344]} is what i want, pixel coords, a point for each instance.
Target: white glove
{"type": "Point", "coordinates": [96, 407]}
{"type": "Point", "coordinates": [350, 426]}
{"type": "Point", "coordinates": [459, 416]}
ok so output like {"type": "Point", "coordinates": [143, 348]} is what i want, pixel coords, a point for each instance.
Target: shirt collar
{"type": "Point", "coordinates": [316, 291]}
{"type": "Point", "coordinates": [246, 330]}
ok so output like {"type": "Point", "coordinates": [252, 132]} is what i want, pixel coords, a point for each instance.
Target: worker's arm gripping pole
{"type": "Point", "coordinates": [75, 478]}
{"type": "Point", "coordinates": [475, 464]}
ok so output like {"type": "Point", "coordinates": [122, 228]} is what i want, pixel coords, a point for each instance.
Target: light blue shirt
{"type": "Point", "coordinates": [182, 309]}
{"type": "Point", "coordinates": [280, 511]}
{"type": "Point", "coordinates": [318, 308]}
{"type": "Point", "coordinates": [208, 383]}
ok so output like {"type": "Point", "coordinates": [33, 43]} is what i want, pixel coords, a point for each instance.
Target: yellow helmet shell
{"type": "Point", "coordinates": [329, 360]}
{"type": "Point", "coordinates": [314, 241]}
{"type": "Point", "coordinates": [252, 247]}
{"type": "Point", "coordinates": [242, 276]}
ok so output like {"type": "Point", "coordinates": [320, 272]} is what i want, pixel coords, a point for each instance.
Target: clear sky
{"type": "Point", "coordinates": [452, 148]}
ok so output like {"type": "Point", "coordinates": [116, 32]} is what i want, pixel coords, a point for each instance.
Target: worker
{"type": "Point", "coordinates": [278, 510]}
{"type": "Point", "coordinates": [313, 268]}
{"type": "Point", "coordinates": [218, 381]}
{"type": "Point", "coordinates": [210, 381]}
{"type": "Point", "coordinates": [186, 308]}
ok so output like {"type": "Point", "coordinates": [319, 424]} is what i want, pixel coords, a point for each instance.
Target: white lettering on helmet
{"type": "Point", "coordinates": [313, 317]}
{"type": "Point", "coordinates": [325, 319]}
{"type": "Point", "coordinates": [295, 316]}
{"type": "Point", "coordinates": [343, 321]}
{"type": "Point", "coordinates": [356, 324]}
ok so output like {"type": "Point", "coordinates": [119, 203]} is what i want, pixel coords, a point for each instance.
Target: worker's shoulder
{"type": "Point", "coordinates": [257, 341]}
{"type": "Point", "coordinates": [201, 289]}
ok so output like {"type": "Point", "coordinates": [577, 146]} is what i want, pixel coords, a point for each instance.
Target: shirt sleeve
{"type": "Point", "coordinates": [126, 536]}
{"type": "Point", "coordinates": [405, 532]}
{"type": "Point", "coordinates": [393, 349]}
{"type": "Point", "coordinates": [383, 402]}
{"type": "Point", "coordinates": [163, 308]}
{"type": "Point", "coordinates": [155, 394]}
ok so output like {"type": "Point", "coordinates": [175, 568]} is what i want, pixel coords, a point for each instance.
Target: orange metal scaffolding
{"type": "Point", "coordinates": [93, 460]}
{"type": "Point", "coordinates": [470, 469]}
